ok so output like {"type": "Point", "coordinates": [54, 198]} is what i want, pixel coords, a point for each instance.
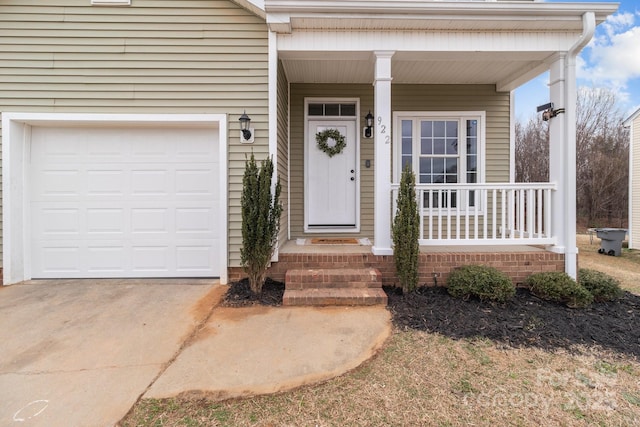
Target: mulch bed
{"type": "Point", "coordinates": [524, 321]}
{"type": "Point", "coordinates": [239, 294]}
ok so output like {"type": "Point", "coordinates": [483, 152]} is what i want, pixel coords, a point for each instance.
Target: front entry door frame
{"type": "Point", "coordinates": [309, 145]}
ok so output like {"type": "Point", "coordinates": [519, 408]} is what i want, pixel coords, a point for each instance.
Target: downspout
{"type": "Point", "coordinates": [570, 100]}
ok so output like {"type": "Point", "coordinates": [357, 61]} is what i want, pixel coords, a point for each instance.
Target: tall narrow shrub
{"type": "Point", "coordinates": [406, 229]}
{"type": "Point", "coordinates": [260, 220]}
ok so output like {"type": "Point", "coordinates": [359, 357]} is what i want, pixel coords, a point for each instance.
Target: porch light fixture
{"type": "Point", "coordinates": [246, 131]}
{"type": "Point", "coordinates": [368, 129]}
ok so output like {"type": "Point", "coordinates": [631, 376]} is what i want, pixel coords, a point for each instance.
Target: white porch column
{"type": "Point", "coordinates": [382, 154]}
{"type": "Point", "coordinates": [562, 159]}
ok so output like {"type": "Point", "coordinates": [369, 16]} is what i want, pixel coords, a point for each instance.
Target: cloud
{"type": "Point", "coordinates": [612, 58]}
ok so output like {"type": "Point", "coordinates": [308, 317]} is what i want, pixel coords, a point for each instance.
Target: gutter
{"type": "Point", "coordinates": [422, 7]}
{"type": "Point", "coordinates": [588, 30]}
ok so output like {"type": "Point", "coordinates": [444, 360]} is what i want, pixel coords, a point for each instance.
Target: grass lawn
{"type": "Point", "coordinates": [425, 379]}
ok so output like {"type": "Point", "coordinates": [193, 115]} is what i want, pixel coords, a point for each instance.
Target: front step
{"type": "Point", "coordinates": [321, 287]}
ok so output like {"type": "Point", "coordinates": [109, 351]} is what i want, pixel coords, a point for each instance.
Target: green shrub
{"type": "Point", "coordinates": [602, 286]}
{"type": "Point", "coordinates": [559, 287]}
{"type": "Point", "coordinates": [406, 232]}
{"type": "Point", "coordinates": [480, 281]}
{"type": "Point", "coordinates": [260, 220]}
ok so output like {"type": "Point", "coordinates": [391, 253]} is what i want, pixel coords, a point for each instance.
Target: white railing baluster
{"type": "Point", "coordinates": [494, 216]}
{"type": "Point", "coordinates": [514, 213]}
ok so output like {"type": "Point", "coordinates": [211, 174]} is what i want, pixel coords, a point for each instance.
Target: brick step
{"type": "Point", "coordinates": [331, 278]}
{"type": "Point", "coordinates": [336, 296]}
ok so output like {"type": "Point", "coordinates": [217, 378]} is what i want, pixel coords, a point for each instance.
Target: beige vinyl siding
{"type": "Point", "coordinates": [155, 56]}
{"type": "Point", "coordinates": [635, 183]}
{"type": "Point", "coordinates": [283, 151]}
{"type": "Point", "coordinates": [298, 93]}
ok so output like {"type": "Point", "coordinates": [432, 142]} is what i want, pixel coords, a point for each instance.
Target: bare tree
{"type": "Point", "coordinates": [532, 151]}
{"type": "Point", "coordinates": [602, 155]}
{"type": "Point", "coordinates": [602, 152]}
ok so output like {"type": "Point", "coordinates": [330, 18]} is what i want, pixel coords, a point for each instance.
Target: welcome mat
{"type": "Point", "coordinates": [334, 241]}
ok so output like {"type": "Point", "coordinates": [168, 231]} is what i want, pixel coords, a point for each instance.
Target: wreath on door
{"type": "Point", "coordinates": [322, 139]}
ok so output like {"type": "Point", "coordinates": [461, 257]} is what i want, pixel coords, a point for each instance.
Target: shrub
{"type": "Point", "coordinates": [558, 287]}
{"type": "Point", "coordinates": [260, 220]}
{"type": "Point", "coordinates": [480, 281]}
{"type": "Point", "coordinates": [602, 286]}
{"type": "Point", "coordinates": [406, 231]}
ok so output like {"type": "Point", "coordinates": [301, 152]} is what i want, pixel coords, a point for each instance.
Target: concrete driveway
{"type": "Point", "coordinates": [81, 352]}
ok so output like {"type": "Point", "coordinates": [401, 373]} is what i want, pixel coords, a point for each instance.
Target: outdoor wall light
{"type": "Point", "coordinates": [246, 131]}
{"type": "Point", "coordinates": [368, 129]}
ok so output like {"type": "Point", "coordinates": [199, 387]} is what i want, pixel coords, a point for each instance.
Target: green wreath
{"type": "Point", "coordinates": [324, 136]}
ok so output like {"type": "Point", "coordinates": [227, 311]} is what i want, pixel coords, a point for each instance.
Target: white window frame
{"type": "Point", "coordinates": [461, 117]}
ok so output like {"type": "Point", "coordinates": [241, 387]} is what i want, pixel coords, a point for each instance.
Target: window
{"type": "Point", "coordinates": [441, 149]}
{"type": "Point", "coordinates": [332, 109]}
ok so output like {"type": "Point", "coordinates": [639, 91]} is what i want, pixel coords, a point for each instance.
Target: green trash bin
{"type": "Point", "coordinates": [611, 240]}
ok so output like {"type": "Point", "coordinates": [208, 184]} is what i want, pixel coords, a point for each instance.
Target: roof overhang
{"type": "Point", "coordinates": [252, 7]}
{"type": "Point", "coordinates": [629, 121]}
{"type": "Point", "coordinates": [438, 42]}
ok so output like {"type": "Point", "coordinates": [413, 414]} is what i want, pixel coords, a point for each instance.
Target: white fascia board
{"type": "Point", "coordinates": [253, 6]}
{"type": "Point", "coordinates": [628, 122]}
{"type": "Point", "coordinates": [418, 7]}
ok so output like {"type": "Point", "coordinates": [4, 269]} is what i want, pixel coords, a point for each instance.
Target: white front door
{"type": "Point", "coordinates": [331, 182]}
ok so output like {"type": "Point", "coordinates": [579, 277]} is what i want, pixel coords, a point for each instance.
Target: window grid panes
{"type": "Point", "coordinates": [332, 109]}
{"type": "Point", "coordinates": [442, 151]}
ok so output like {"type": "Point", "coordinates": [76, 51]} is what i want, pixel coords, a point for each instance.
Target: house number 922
{"type": "Point", "coordinates": [383, 130]}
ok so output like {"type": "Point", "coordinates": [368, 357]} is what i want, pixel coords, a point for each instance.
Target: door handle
{"type": "Point", "coordinates": [353, 171]}
{"type": "Point", "coordinates": [353, 179]}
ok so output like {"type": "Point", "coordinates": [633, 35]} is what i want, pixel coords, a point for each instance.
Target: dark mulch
{"type": "Point", "coordinates": [239, 294]}
{"type": "Point", "coordinates": [525, 321]}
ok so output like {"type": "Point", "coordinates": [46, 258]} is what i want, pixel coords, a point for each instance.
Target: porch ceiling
{"type": "Point", "coordinates": [410, 67]}
{"type": "Point", "coordinates": [435, 42]}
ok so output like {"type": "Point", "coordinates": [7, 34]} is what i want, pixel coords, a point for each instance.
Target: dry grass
{"type": "Point", "coordinates": [625, 268]}
{"type": "Point", "coordinates": [421, 378]}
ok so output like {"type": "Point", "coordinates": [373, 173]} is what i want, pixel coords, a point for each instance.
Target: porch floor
{"type": "Point", "coordinates": [292, 247]}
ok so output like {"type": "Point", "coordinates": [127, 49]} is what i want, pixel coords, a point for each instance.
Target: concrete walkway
{"type": "Point", "coordinates": [82, 352]}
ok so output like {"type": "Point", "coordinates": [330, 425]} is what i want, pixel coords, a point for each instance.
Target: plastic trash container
{"type": "Point", "coordinates": [611, 240]}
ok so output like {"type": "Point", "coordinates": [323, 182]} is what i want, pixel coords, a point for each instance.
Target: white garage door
{"type": "Point", "coordinates": [124, 202]}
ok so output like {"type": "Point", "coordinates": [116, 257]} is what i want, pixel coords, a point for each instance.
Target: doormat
{"type": "Point", "coordinates": [335, 241]}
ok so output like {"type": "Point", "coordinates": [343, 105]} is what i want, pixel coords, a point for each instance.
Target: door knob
{"type": "Point", "coordinates": [352, 171]}
{"type": "Point", "coordinates": [353, 179]}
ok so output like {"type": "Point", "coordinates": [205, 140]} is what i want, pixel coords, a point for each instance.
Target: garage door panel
{"type": "Point", "coordinates": [106, 221]}
{"type": "Point", "coordinates": [150, 258]}
{"type": "Point", "coordinates": [195, 182]}
{"type": "Point", "coordinates": [194, 259]}
{"type": "Point", "coordinates": [56, 222]}
{"type": "Point", "coordinates": [150, 221]}
{"type": "Point", "coordinates": [56, 183]}
{"type": "Point", "coordinates": [195, 220]}
{"type": "Point", "coordinates": [58, 260]}
{"type": "Point", "coordinates": [106, 182]}
{"type": "Point", "coordinates": [125, 203]}
{"type": "Point", "coordinates": [154, 182]}
{"type": "Point", "coordinates": [106, 259]}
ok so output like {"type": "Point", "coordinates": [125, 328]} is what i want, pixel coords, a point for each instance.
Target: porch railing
{"type": "Point", "coordinates": [484, 214]}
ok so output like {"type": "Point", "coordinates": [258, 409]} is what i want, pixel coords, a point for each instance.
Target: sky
{"type": "Point", "coordinates": [611, 60]}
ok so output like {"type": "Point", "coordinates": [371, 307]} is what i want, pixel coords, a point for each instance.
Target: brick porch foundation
{"type": "Point", "coordinates": [517, 265]}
